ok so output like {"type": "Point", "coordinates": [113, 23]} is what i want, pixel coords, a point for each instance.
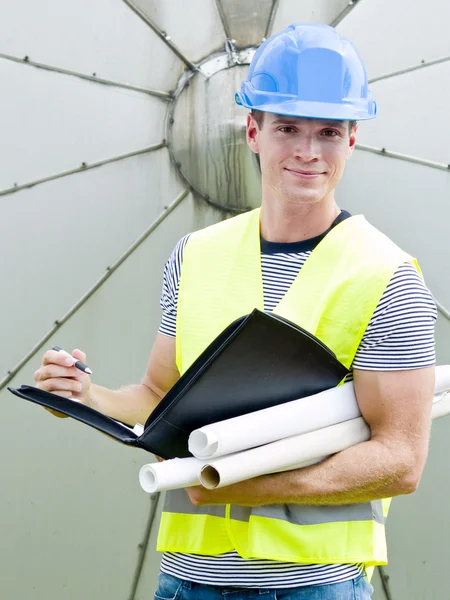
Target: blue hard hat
{"type": "Point", "coordinates": [308, 70]}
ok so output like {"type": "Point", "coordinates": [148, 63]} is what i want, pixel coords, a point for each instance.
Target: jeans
{"type": "Point", "coordinates": [172, 588]}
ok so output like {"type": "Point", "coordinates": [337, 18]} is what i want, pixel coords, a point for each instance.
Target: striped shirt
{"type": "Point", "coordinates": [399, 336]}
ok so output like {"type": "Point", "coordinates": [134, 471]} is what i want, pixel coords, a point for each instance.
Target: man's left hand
{"type": "Point", "coordinates": [253, 492]}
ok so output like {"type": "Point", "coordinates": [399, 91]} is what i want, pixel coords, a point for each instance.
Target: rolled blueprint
{"type": "Point", "coordinates": [179, 473]}
{"type": "Point", "coordinates": [170, 474]}
{"type": "Point", "coordinates": [264, 426]}
{"type": "Point", "coordinates": [284, 455]}
{"type": "Point", "coordinates": [271, 424]}
{"type": "Point", "coordinates": [296, 451]}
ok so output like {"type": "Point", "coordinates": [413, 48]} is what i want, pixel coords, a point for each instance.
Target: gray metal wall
{"type": "Point", "coordinates": [73, 517]}
{"type": "Point", "coordinates": [85, 174]}
{"type": "Point", "coordinates": [410, 202]}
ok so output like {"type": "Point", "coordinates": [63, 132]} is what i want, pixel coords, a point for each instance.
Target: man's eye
{"type": "Point", "coordinates": [330, 132]}
{"type": "Point", "coordinates": [287, 129]}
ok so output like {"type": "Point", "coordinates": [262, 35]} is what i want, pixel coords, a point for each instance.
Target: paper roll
{"type": "Point", "coordinates": [271, 424]}
{"type": "Point", "coordinates": [442, 379]}
{"type": "Point", "coordinates": [296, 451]}
{"type": "Point", "coordinates": [291, 453]}
{"type": "Point", "coordinates": [264, 426]}
{"type": "Point", "coordinates": [170, 474]}
{"type": "Point", "coordinates": [284, 454]}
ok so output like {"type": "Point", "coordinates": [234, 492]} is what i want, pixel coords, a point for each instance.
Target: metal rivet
{"type": "Point", "coordinates": [94, 74]}
{"type": "Point", "coordinates": [383, 149]}
{"type": "Point", "coordinates": [171, 121]}
{"type": "Point", "coordinates": [83, 165]}
{"type": "Point", "coordinates": [26, 59]}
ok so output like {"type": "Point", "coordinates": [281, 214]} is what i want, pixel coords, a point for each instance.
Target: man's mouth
{"type": "Point", "coordinates": [306, 174]}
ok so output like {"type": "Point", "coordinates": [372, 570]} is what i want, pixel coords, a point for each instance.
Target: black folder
{"type": "Point", "coordinates": [260, 360]}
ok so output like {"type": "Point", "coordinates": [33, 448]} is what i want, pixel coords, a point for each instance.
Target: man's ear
{"type": "Point", "coordinates": [352, 140]}
{"type": "Point", "coordinates": [252, 134]}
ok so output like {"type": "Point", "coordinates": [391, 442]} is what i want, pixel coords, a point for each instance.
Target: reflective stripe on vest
{"type": "Point", "coordinates": [333, 296]}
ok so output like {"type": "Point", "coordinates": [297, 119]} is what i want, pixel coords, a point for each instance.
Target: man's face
{"type": "Point", "coordinates": [302, 160]}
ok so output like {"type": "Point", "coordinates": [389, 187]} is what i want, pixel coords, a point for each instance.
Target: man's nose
{"type": "Point", "coordinates": [307, 148]}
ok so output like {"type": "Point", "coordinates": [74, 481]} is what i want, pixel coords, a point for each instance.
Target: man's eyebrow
{"type": "Point", "coordinates": [281, 119]}
{"type": "Point", "coordinates": [323, 122]}
{"type": "Point", "coordinates": [335, 123]}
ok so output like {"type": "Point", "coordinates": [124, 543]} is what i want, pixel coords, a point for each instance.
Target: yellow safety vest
{"type": "Point", "coordinates": [333, 297]}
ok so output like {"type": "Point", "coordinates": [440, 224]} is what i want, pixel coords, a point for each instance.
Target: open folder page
{"type": "Point", "coordinates": [258, 361]}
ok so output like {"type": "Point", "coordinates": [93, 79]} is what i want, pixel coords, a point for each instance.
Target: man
{"type": "Point", "coordinates": [315, 532]}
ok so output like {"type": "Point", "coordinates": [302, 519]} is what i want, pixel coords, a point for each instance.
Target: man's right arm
{"type": "Point", "coordinates": [131, 404]}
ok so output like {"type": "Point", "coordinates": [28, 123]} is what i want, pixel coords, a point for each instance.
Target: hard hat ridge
{"type": "Point", "coordinates": [308, 70]}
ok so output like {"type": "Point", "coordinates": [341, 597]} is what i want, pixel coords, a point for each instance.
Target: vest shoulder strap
{"type": "Point", "coordinates": [345, 278]}
{"type": "Point", "coordinates": [221, 280]}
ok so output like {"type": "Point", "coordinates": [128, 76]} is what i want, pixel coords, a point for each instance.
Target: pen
{"type": "Point", "coordinates": [79, 365]}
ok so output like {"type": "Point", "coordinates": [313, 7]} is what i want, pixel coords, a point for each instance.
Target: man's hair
{"type": "Point", "coordinates": [258, 115]}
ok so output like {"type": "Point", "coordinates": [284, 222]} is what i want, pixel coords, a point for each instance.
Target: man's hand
{"type": "Point", "coordinates": [253, 492]}
{"type": "Point", "coordinates": [130, 404]}
{"type": "Point", "coordinates": [57, 374]}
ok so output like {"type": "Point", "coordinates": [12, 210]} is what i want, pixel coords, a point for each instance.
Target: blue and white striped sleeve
{"type": "Point", "coordinates": [400, 334]}
{"type": "Point", "coordinates": [169, 296]}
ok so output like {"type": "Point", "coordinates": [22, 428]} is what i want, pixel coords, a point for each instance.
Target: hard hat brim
{"type": "Point", "coordinates": [316, 110]}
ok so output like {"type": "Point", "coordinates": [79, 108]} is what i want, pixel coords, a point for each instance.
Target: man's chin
{"type": "Point", "coordinates": [305, 198]}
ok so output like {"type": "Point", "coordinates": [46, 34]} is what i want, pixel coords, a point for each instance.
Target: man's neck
{"type": "Point", "coordinates": [295, 223]}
